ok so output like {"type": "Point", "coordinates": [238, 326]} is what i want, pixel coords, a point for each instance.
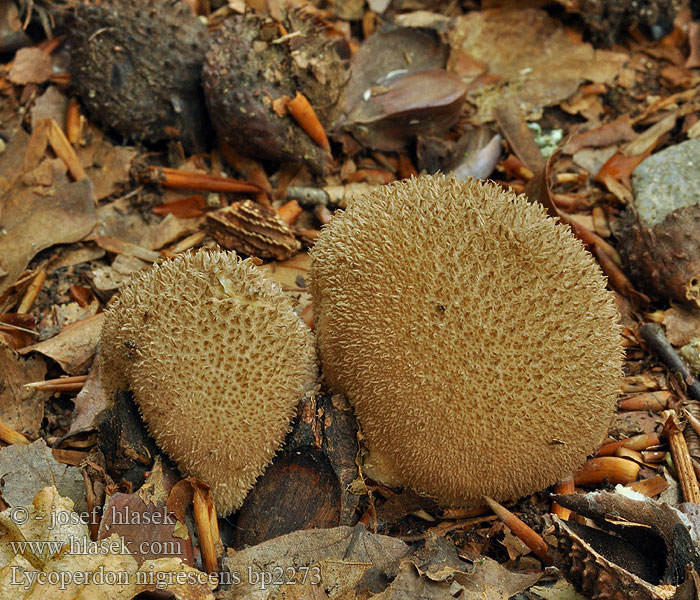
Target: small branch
{"type": "Point", "coordinates": [565, 486]}
{"type": "Point", "coordinates": [681, 457]}
{"type": "Point", "coordinates": [186, 180]}
{"type": "Point", "coordinates": [654, 336]}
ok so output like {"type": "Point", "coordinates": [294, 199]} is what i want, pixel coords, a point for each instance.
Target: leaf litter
{"type": "Point", "coordinates": [77, 214]}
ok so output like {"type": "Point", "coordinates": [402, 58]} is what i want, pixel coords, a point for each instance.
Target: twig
{"type": "Point", "coordinates": [333, 195]}
{"type": "Point", "coordinates": [681, 457]}
{"type": "Point", "coordinates": [32, 292]}
{"type": "Point", "coordinates": [10, 436]}
{"type": "Point", "coordinates": [524, 532]}
{"type": "Point", "coordinates": [186, 180]}
{"type": "Point", "coordinates": [654, 336]}
{"type": "Point", "coordinates": [62, 384]}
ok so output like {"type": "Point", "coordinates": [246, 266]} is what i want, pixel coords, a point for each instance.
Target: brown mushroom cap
{"type": "Point", "coordinates": [472, 333]}
{"type": "Point", "coordinates": [217, 360]}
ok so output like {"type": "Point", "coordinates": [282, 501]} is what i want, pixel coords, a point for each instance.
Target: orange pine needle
{"type": "Point", "coordinates": [525, 533]}
{"type": "Point", "coordinates": [184, 180]}
{"type": "Point", "coordinates": [73, 121]}
{"type": "Point", "coordinates": [565, 486]}
{"type": "Point", "coordinates": [289, 212]}
{"type": "Point", "coordinates": [636, 442]}
{"type": "Point", "coordinates": [653, 401]}
{"type": "Point", "coordinates": [305, 115]}
{"type": "Point", "coordinates": [606, 468]}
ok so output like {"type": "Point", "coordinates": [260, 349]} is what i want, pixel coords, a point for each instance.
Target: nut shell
{"type": "Point", "coordinates": [137, 68]}
{"type": "Point", "coordinates": [246, 70]}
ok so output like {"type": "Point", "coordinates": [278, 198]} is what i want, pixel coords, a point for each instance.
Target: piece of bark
{"type": "Point", "coordinates": [650, 556]}
{"type": "Point", "coordinates": [123, 439]}
{"type": "Point", "coordinates": [253, 230]}
{"type": "Point", "coordinates": [307, 484]}
{"type": "Point", "coordinates": [299, 491]}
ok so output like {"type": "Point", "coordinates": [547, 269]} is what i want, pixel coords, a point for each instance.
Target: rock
{"type": "Point", "coordinates": [658, 236]}
{"type": "Point", "coordinates": [667, 180]}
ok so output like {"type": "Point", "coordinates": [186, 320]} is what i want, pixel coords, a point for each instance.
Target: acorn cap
{"type": "Point", "coordinates": [216, 359]}
{"type": "Point", "coordinates": [473, 334]}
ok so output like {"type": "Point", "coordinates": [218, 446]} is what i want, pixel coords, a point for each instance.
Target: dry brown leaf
{"type": "Point", "coordinates": [291, 274]}
{"type": "Point", "coordinates": [52, 104]}
{"type": "Point", "coordinates": [74, 347]}
{"type": "Point", "coordinates": [338, 557]}
{"type": "Point", "coordinates": [28, 468]}
{"type": "Point", "coordinates": [35, 220]}
{"type": "Point", "coordinates": [21, 408]}
{"type": "Point", "coordinates": [614, 132]}
{"type": "Point", "coordinates": [169, 230]}
{"type": "Point", "coordinates": [148, 529]}
{"type": "Point", "coordinates": [90, 402]}
{"type": "Point", "coordinates": [682, 325]}
{"type": "Point", "coordinates": [67, 565]}
{"type": "Point", "coordinates": [549, 71]}
{"type": "Point", "coordinates": [31, 65]}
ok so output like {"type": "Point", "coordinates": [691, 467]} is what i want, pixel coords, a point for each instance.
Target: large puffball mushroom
{"type": "Point", "coordinates": [216, 359]}
{"type": "Point", "coordinates": [473, 335]}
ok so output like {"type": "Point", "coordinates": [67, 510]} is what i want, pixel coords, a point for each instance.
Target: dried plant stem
{"type": "Point", "coordinates": [654, 336]}
{"type": "Point", "coordinates": [186, 180]}
{"type": "Point", "coordinates": [207, 528]}
{"type": "Point", "coordinates": [62, 384]}
{"type": "Point", "coordinates": [681, 457]}
{"type": "Point", "coordinates": [32, 292]}
{"type": "Point", "coordinates": [524, 532]}
{"type": "Point", "coordinates": [10, 436]}
{"type": "Point", "coordinates": [61, 146]}
{"type": "Point", "coordinates": [653, 401]}
{"type": "Point", "coordinates": [692, 433]}
{"type": "Point", "coordinates": [636, 442]}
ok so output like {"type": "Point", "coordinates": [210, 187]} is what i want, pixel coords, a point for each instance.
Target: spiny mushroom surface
{"type": "Point", "coordinates": [216, 359]}
{"type": "Point", "coordinates": [473, 334]}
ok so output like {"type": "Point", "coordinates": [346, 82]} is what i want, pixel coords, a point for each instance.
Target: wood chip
{"type": "Point", "coordinates": [253, 230]}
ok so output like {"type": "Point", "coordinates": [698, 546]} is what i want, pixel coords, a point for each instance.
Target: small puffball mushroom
{"type": "Point", "coordinates": [216, 359]}
{"type": "Point", "coordinates": [473, 335]}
